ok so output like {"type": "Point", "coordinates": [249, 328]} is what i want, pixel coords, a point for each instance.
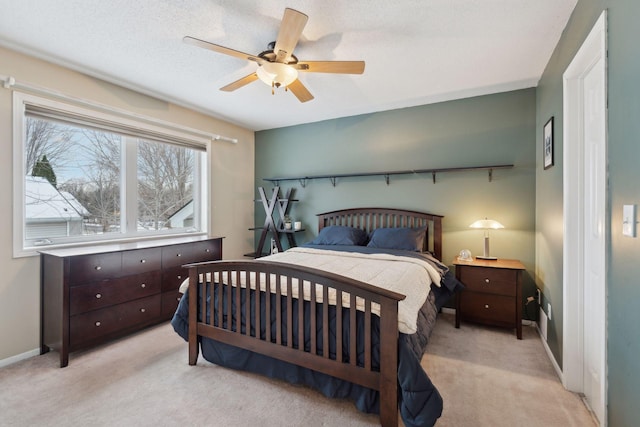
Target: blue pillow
{"type": "Point", "coordinates": [341, 235]}
{"type": "Point", "coordinates": [408, 239]}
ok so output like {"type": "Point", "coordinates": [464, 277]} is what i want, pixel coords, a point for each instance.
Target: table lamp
{"type": "Point", "coordinates": [486, 224]}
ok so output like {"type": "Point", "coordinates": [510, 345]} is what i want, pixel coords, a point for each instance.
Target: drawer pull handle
{"type": "Point", "coordinates": [486, 280]}
{"type": "Point", "coordinates": [144, 285]}
{"type": "Point", "coordinates": [179, 277]}
{"type": "Point", "coordinates": [143, 261]}
{"type": "Point", "coordinates": [207, 250]}
{"type": "Point", "coordinates": [178, 299]}
{"type": "Point", "coordinates": [98, 296]}
{"type": "Point", "coordinates": [98, 268]}
{"type": "Point", "coordinates": [142, 310]}
{"type": "Point", "coordinates": [179, 255]}
{"type": "Point", "coordinates": [98, 323]}
{"type": "Point", "coordinates": [486, 306]}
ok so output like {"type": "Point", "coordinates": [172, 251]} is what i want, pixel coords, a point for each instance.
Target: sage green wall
{"type": "Point", "coordinates": [487, 130]}
{"type": "Point", "coordinates": [623, 292]}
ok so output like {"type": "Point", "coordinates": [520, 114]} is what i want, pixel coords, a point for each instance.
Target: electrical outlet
{"type": "Point", "coordinates": [543, 324]}
{"type": "Point", "coordinates": [549, 310]}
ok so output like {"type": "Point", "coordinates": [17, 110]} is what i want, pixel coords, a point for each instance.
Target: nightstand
{"type": "Point", "coordinates": [492, 293]}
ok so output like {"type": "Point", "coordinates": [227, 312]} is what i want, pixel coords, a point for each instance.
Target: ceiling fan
{"type": "Point", "coordinates": [278, 66]}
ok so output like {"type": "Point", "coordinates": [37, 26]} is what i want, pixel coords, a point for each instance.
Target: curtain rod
{"type": "Point", "coordinates": [9, 82]}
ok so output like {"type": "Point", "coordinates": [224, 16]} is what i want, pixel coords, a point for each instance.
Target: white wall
{"type": "Point", "coordinates": [232, 185]}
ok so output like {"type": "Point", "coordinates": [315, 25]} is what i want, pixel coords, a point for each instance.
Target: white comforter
{"type": "Point", "coordinates": [408, 276]}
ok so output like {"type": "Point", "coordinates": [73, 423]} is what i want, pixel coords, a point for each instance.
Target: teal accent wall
{"type": "Point", "coordinates": [485, 130]}
{"type": "Point", "coordinates": [623, 291]}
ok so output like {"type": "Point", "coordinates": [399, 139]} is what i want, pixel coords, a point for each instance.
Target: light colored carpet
{"type": "Point", "coordinates": [486, 377]}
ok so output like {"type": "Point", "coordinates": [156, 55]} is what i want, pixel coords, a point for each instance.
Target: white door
{"type": "Point", "coordinates": [595, 155]}
{"type": "Point", "coordinates": [585, 203]}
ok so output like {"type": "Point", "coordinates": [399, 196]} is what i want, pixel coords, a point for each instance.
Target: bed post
{"type": "Point", "coordinates": [389, 362]}
{"type": "Point", "coordinates": [437, 237]}
{"type": "Point", "coordinates": [193, 315]}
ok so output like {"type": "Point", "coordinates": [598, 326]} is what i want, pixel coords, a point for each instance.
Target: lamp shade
{"type": "Point", "coordinates": [277, 74]}
{"type": "Point", "coordinates": [486, 224]}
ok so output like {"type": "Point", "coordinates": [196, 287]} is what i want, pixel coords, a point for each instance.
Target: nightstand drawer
{"type": "Point", "coordinates": [488, 308]}
{"type": "Point", "coordinates": [490, 280]}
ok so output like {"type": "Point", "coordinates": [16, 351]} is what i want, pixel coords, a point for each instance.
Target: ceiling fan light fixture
{"type": "Point", "coordinates": [276, 74]}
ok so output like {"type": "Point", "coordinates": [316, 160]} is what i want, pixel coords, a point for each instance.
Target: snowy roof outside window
{"type": "Point", "coordinates": [44, 202]}
{"type": "Point", "coordinates": [178, 218]}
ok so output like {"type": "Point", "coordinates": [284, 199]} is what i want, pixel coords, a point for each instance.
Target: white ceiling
{"type": "Point", "coordinates": [416, 51]}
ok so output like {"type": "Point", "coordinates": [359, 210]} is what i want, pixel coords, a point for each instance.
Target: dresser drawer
{"type": "Point", "coordinates": [173, 278]}
{"type": "Point", "coordinates": [176, 255]}
{"type": "Point", "coordinates": [490, 280]}
{"type": "Point", "coordinates": [93, 294]}
{"type": "Point", "coordinates": [110, 292]}
{"type": "Point", "coordinates": [210, 250]}
{"type": "Point", "coordinates": [92, 268]}
{"type": "Point", "coordinates": [94, 324]}
{"type": "Point", "coordinates": [488, 308]}
{"type": "Point", "coordinates": [141, 260]}
{"type": "Point", "coordinates": [170, 301]}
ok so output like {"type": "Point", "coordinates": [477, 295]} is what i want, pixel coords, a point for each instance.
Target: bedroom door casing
{"type": "Point", "coordinates": [585, 220]}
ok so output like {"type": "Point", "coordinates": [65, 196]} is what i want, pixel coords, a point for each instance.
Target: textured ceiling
{"type": "Point", "coordinates": [416, 51]}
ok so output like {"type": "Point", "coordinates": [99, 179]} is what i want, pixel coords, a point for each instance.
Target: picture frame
{"type": "Point", "coordinates": [547, 144]}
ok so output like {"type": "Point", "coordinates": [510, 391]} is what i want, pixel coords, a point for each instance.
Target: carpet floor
{"type": "Point", "coordinates": [485, 376]}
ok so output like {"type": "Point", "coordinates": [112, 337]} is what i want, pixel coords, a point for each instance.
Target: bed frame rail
{"type": "Point", "coordinates": [284, 280]}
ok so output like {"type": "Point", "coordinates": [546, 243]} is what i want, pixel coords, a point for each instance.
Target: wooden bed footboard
{"type": "Point", "coordinates": [287, 282]}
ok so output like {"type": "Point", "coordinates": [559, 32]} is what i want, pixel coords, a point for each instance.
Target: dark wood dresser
{"type": "Point", "coordinates": [492, 293]}
{"type": "Point", "coordinates": [92, 294]}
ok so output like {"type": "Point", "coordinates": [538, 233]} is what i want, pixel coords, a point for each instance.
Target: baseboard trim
{"type": "Point", "coordinates": [18, 357]}
{"type": "Point", "coordinates": [544, 342]}
{"type": "Point", "coordinates": [550, 355]}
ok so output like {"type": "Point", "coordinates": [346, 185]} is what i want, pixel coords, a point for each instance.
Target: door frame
{"type": "Point", "coordinates": [594, 48]}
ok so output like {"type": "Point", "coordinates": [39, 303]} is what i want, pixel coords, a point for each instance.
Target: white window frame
{"type": "Point", "coordinates": [99, 112]}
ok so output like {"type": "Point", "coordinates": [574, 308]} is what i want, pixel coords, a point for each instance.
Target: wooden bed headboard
{"type": "Point", "coordinates": [369, 219]}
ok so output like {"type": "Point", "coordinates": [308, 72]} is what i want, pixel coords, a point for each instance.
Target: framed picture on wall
{"type": "Point", "coordinates": [547, 144]}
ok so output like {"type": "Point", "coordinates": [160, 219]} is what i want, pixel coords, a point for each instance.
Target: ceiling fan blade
{"type": "Point", "coordinates": [221, 49]}
{"type": "Point", "coordinates": [300, 91]}
{"type": "Point", "coordinates": [339, 67]}
{"type": "Point", "coordinates": [291, 28]}
{"type": "Point", "coordinates": [240, 82]}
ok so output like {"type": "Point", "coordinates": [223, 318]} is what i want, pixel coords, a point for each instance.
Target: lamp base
{"type": "Point", "coordinates": [493, 258]}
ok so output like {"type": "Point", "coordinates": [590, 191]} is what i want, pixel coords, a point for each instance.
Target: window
{"type": "Point", "coordinates": [85, 175]}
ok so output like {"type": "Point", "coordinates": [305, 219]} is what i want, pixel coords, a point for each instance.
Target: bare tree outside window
{"type": "Point", "coordinates": [94, 175]}
{"type": "Point", "coordinates": [101, 192]}
{"type": "Point", "coordinates": [46, 138]}
{"type": "Point", "coordinates": [165, 182]}
{"type": "Point", "coordinates": [78, 184]}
